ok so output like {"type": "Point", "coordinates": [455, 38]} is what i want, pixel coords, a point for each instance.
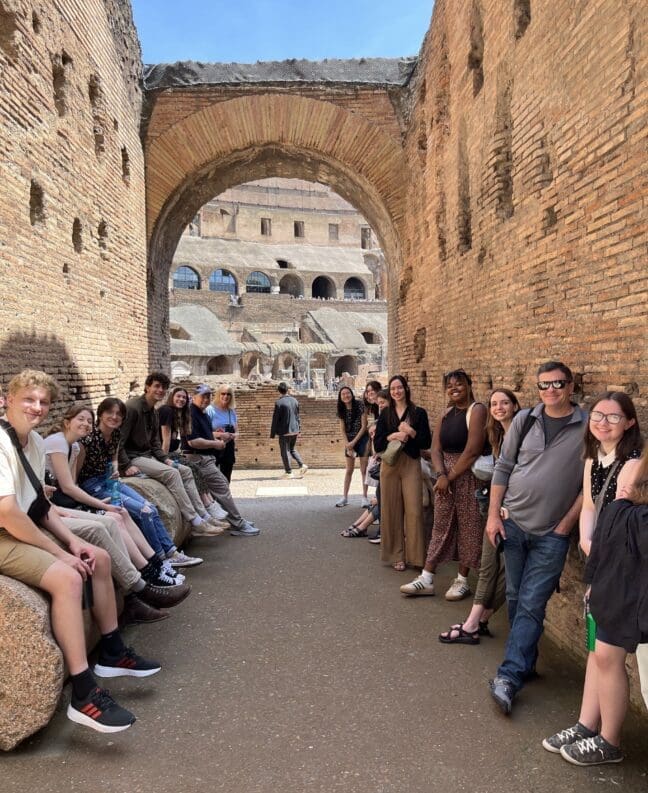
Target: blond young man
{"type": "Point", "coordinates": [38, 549]}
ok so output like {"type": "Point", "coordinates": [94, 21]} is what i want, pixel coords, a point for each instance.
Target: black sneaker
{"type": "Point", "coordinates": [563, 738]}
{"type": "Point", "coordinates": [129, 664]}
{"type": "Point", "coordinates": [100, 712]}
{"type": "Point", "coordinates": [591, 751]}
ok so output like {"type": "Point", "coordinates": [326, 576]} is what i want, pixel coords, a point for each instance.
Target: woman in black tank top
{"type": "Point", "coordinates": [459, 438]}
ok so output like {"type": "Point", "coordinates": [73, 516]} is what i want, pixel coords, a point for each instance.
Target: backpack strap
{"type": "Point", "coordinates": [526, 426]}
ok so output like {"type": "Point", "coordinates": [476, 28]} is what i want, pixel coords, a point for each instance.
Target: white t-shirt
{"type": "Point", "coordinates": [13, 478]}
{"type": "Point", "coordinates": [56, 443]}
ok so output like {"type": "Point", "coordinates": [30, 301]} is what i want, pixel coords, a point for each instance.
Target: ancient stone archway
{"type": "Point", "coordinates": [257, 136]}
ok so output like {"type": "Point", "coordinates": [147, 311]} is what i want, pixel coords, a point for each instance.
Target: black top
{"type": "Point", "coordinates": [353, 421]}
{"type": "Point", "coordinates": [166, 419]}
{"type": "Point", "coordinates": [98, 453]}
{"type": "Point", "coordinates": [454, 431]}
{"type": "Point", "coordinates": [200, 428]}
{"type": "Point", "coordinates": [418, 419]}
{"type": "Point", "coordinates": [599, 474]}
{"type": "Point", "coordinates": [617, 569]}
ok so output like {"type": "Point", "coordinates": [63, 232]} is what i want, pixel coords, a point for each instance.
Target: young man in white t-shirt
{"type": "Point", "coordinates": [30, 555]}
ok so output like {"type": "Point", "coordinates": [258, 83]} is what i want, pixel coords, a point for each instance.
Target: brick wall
{"type": "Point", "coordinates": [72, 239]}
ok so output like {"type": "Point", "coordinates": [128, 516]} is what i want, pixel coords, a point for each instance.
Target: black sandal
{"type": "Point", "coordinates": [353, 531]}
{"type": "Point", "coordinates": [462, 637]}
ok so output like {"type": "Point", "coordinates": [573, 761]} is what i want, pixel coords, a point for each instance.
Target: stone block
{"type": "Point", "coordinates": [166, 506]}
{"type": "Point", "coordinates": [31, 663]}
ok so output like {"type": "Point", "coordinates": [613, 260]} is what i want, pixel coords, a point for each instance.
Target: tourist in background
{"type": "Point", "coordinates": [612, 445]}
{"type": "Point", "coordinates": [353, 425]}
{"type": "Point", "coordinates": [490, 592]}
{"type": "Point", "coordinates": [286, 425]}
{"type": "Point", "coordinates": [370, 406]}
{"type": "Point", "coordinates": [222, 414]}
{"type": "Point", "coordinates": [459, 438]}
{"type": "Point", "coordinates": [401, 505]}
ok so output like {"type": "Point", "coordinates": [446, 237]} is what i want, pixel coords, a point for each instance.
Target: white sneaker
{"type": "Point", "coordinates": [418, 587]}
{"type": "Point", "coordinates": [458, 590]}
{"type": "Point", "coordinates": [216, 511]}
{"type": "Point", "coordinates": [303, 469]}
{"type": "Point", "coordinates": [208, 528]}
{"type": "Point", "coordinates": [365, 503]}
{"type": "Point", "coordinates": [342, 502]}
{"type": "Point", "coordinates": [287, 475]}
{"type": "Point", "coordinates": [180, 559]}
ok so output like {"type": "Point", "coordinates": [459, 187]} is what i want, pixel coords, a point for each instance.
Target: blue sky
{"type": "Point", "coordinates": [250, 30]}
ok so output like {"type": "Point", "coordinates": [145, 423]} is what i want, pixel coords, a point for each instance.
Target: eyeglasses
{"type": "Point", "coordinates": [612, 418]}
{"type": "Point", "coordinates": [558, 385]}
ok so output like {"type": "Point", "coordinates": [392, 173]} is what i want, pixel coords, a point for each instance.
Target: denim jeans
{"type": "Point", "coordinates": [141, 511]}
{"type": "Point", "coordinates": [533, 567]}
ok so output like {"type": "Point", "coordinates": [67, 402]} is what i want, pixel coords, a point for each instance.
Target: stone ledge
{"type": "Point", "coordinates": [32, 670]}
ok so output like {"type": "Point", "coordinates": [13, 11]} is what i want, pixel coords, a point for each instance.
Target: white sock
{"type": "Point", "coordinates": [197, 520]}
{"type": "Point", "coordinates": [427, 577]}
{"type": "Point", "coordinates": [462, 578]}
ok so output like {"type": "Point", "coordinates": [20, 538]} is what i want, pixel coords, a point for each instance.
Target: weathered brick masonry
{"type": "Point", "coordinates": [527, 232]}
{"type": "Point", "coordinates": [72, 234]}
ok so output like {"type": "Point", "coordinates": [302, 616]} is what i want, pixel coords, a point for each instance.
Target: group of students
{"type": "Point", "coordinates": [510, 484]}
{"type": "Point", "coordinates": [71, 527]}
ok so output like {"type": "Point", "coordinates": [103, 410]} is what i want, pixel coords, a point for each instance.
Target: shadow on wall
{"type": "Point", "coordinates": [47, 352]}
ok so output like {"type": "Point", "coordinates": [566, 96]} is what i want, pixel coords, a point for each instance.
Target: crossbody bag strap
{"type": "Point", "coordinates": [598, 503]}
{"type": "Point", "coordinates": [35, 481]}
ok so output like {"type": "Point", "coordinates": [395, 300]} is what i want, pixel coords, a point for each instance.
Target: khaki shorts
{"type": "Point", "coordinates": [21, 561]}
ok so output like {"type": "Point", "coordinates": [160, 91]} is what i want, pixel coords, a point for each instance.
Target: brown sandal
{"type": "Point", "coordinates": [400, 567]}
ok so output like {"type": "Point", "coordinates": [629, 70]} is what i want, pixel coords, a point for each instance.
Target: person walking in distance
{"type": "Point", "coordinates": [286, 425]}
{"type": "Point", "coordinates": [535, 501]}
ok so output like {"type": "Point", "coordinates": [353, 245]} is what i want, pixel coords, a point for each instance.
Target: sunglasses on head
{"type": "Point", "coordinates": [545, 385]}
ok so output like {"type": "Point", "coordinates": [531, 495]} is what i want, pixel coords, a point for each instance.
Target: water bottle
{"type": "Point", "coordinates": [115, 493]}
{"type": "Point", "coordinates": [590, 629]}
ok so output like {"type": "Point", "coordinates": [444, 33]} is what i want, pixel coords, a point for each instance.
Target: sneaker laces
{"type": "Point", "coordinates": [567, 733]}
{"type": "Point", "coordinates": [588, 745]}
{"type": "Point", "coordinates": [101, 698]}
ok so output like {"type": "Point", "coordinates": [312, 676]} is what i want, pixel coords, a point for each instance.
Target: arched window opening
{"type": "Point", "coordinates": [258, 282]}
{"type": "Point", "coordinates": [347, 364]}
{"type": "Point", "coordinates": [219, 365]}
{"type": "Point", "coordinates": [186, 278]}
{"type": "Point", "coordinates": [323, 288]}
{"type": "Point", "coordinates": [222, 281]}
{"type": "Point", "coordinates": [291, 285]}
{"type": "Point", "coordinates": [354, 289]}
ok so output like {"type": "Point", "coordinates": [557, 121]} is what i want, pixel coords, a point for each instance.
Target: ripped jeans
{"type": "Point", "coordinates": [141, 511]}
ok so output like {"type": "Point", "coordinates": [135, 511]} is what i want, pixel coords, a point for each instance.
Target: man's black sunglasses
{"type": "Point", "coordinates": [545, 385]}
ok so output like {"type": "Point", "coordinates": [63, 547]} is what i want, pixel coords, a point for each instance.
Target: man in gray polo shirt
{"type": "Point", "coordinates": [535, 501]}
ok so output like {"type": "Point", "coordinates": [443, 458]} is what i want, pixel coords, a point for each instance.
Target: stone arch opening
{"type": "Point", "coordinates": [346, 364]}
{"type": "Point", "coordinates": [323, 288]}
{"type": "Point", "coordinates": [223, 281]}
{"type": "Point", "coordinates": [219, 365]}
{"type": "Point", "coordinates": [258, 136]}
{"type": "Point", "coordinates": [186, 278]}
{"type": "Point", "coordinates": [285, 367]}
{"type": "Point", "coordinates": [258, 282]}
{"type": "Point", "coordinates": [250, 362]}
{"type": "Point", "coordinates": [291, 285]}
{"type": "Point", "coordinates": [354, 289]}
